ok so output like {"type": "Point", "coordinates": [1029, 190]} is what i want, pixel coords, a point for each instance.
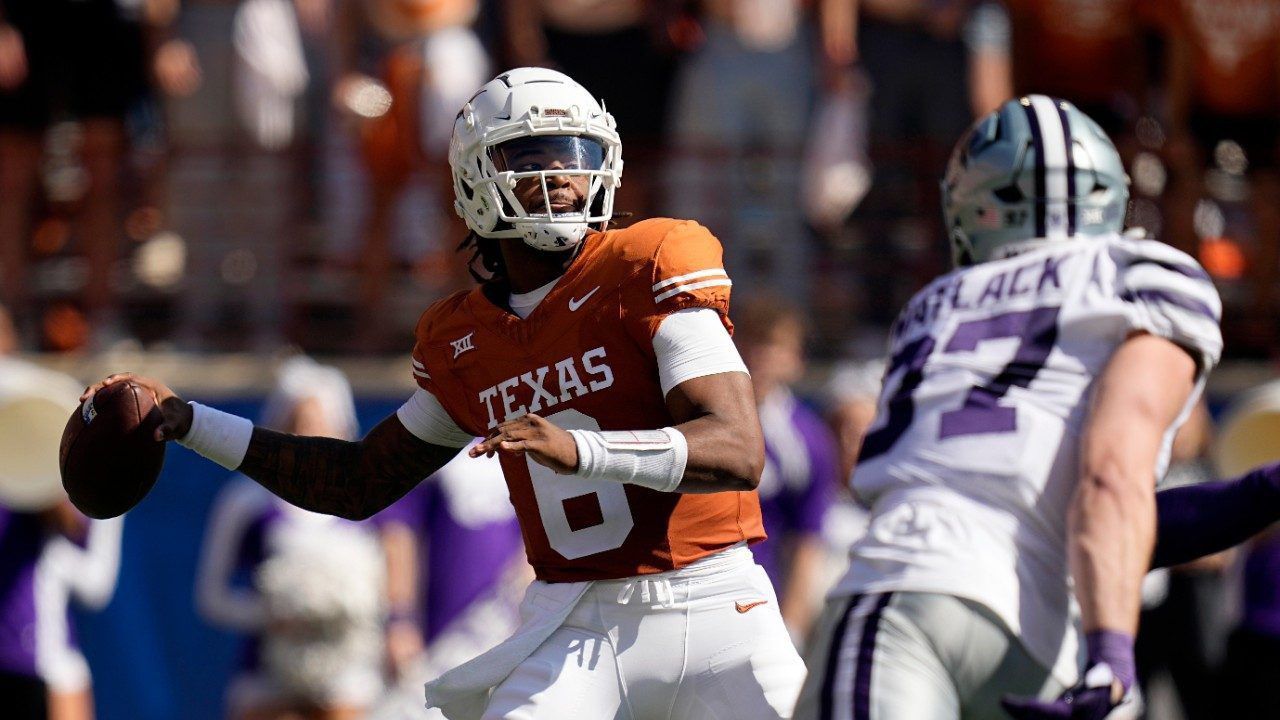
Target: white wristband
{"type": "Point", "coordinates": [652, 458]}
{"type": "Point", "coordinates": [219, 436]}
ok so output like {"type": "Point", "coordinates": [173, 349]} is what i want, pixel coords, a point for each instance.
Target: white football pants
{"type": "Point", "coordinates": [915, 656]}
{"type": "Point", "coordinates": [702, 643]}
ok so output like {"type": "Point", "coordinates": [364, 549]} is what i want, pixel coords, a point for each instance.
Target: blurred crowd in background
{"type": "Point", "coordinates": [238, 174]}
{"type": "Point", "coordinates": [232, 604]}
{"type": "Point", "coordinates": [227, 175]}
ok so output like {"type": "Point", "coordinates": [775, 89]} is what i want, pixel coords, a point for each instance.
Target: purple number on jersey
{"type": "Point", "coordinates": [1036, 329]}
{"type": "Point", "coordinates": [901, 407]}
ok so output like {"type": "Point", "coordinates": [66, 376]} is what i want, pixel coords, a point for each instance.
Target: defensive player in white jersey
{"type": "Point", "coordinates": [1028, 409]}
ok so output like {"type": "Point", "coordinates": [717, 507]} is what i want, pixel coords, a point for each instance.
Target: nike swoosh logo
{"type": "Point", "coordinates": [743, 607]}
{"type": "Point", "coordinates": [575, 303]}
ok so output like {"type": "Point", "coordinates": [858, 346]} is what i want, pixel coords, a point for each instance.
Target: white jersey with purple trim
{"type": "Point", "coordinates": [973, 460]}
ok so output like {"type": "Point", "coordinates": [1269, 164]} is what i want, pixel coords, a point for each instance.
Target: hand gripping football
{"type": "Point", "coordinates": [109, 455]}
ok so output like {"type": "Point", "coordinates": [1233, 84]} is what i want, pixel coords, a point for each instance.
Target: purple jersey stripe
{"type": "Point", "coordinates": [1186, 303]}
{"type": "Point", "coordinates": [826, 700]}
{"type": "Point", "coordinates": [1194, 273]}
{"type": "Point", "coordinates": [866, 660]}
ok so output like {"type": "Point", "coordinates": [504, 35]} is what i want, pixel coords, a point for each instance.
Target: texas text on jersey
{"type": "Point", "coordinates": [584, 359]}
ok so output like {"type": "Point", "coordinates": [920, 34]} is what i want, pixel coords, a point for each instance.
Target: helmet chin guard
{"type": "Point", "coordinates": [534, 123]}
{"type": "Point", "coordinates": [553, 236]}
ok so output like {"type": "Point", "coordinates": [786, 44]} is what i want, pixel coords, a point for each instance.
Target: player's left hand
{"type": "Point", "coordinates": [543, 441]}
{"type": "Point", "coordinates": [1097, 697]}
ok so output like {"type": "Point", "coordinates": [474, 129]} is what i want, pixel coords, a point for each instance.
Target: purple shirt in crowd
{"type": "Point", "coordinates": [799, 480]}
{"type": "Point", "coordinates": [247, 527]}
{"type": "Point", "coordinates": [40, 571]}
{"type": "Point", "coordinates": [21, 541]}
{"type": "Point", "coordinates": [468, 532]}
{"type": "Point", "coordinates": [1262, 587]}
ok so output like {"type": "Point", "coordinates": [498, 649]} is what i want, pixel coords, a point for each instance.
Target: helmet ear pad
{"type": "Point", "coordinates": [474, 204]}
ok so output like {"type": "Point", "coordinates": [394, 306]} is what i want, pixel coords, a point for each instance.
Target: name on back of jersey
{"type": "Point", "coordinates": [545, 387]}
{"type": "Point", "coordinates": [1039, 276]}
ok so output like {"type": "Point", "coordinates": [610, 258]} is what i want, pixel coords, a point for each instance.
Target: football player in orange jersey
{"type": "Point", "coordinates": [597, 363]}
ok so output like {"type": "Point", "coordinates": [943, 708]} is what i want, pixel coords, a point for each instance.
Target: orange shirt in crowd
{"type": "Point", "coordinates": [1233, 47]}
{"type": "Point", "coordinates": [404, 19]}
{"type": "Point", "coordinates": [1086, 51]}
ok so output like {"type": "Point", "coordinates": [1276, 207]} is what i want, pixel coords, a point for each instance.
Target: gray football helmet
{"type": "Point", "coordinates": [1036, 170]}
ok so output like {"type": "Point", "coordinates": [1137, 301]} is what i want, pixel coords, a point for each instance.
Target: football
{"type": "Point", "coordinates": [109, 456]}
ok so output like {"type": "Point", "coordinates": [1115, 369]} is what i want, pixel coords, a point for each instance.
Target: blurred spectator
{"type": "Point", "coordinates": [1185, 619]}
{"type": "Point", "coordinates": [741, 106]}
{"type": "Point", "coordinates": [405, 70]}
{"type": "Point", "coordinates": [1103, 56]}
{"type": "Point", "coordinates": [270, 70]}
{"type": "Point", "coordinates": [46, 558]}
{"type": "Point", "coordinates": [238, 147]}
{"type": "Point", "coordinates": [1246, 439]}
{"type": "Point", "coordinates": [619, 50]}
{"type": "Point", "coordinates": [987, 37]}
{"type": "Point", "coordinates": [471, 564]}
{"type": "Point", "coordinates": [1089, 53]}
{"type": "Point", "coordinates": [836, 173]}
{"type": "Point", "coordinates": [70, 73]}
{"type": "Point", "coordinates": [1224, 105]}
{"type": "Point", "coordinates": [49, 552]}
{"type": "Point", "coordinates": [309, 590]}
{"type": "Point", "coordinates": [852, 393]}
{"type": "Point", "coordinates": [1253, 652]}
{"type": "Point", "coordinates": [932, 64]}
{"type": "Point", "coordinates": [915, 55]}
{"type": "Point", "coordinates": [9, 343]}
{"type": "Point", "coordinates": [799, 479]}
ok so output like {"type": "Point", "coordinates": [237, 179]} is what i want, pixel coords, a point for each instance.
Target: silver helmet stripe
{"type": "Point", "coordinates": [1055, 166]}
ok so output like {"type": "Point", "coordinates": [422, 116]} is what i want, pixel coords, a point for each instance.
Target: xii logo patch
{"type": "Point", "coordinates": [462, 344]}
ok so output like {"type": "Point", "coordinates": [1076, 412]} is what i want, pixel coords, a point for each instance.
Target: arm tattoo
{"type": "Point", "coordinates": [352, 480]}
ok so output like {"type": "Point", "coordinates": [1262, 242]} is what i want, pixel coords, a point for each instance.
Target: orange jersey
{"type": "Point", "coordinates": [584, 360]}
{"type": "Point", "coordinates": [1235, 51]}
{"type": "Point", "coordinates": [1080, 50]}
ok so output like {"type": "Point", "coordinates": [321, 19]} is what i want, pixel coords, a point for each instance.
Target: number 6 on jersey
{"type": "Point", "coordinates": [553, 491]}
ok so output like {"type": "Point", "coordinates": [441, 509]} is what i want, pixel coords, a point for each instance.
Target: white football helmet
{"type": "Point", "coordinates": [530, 110]}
